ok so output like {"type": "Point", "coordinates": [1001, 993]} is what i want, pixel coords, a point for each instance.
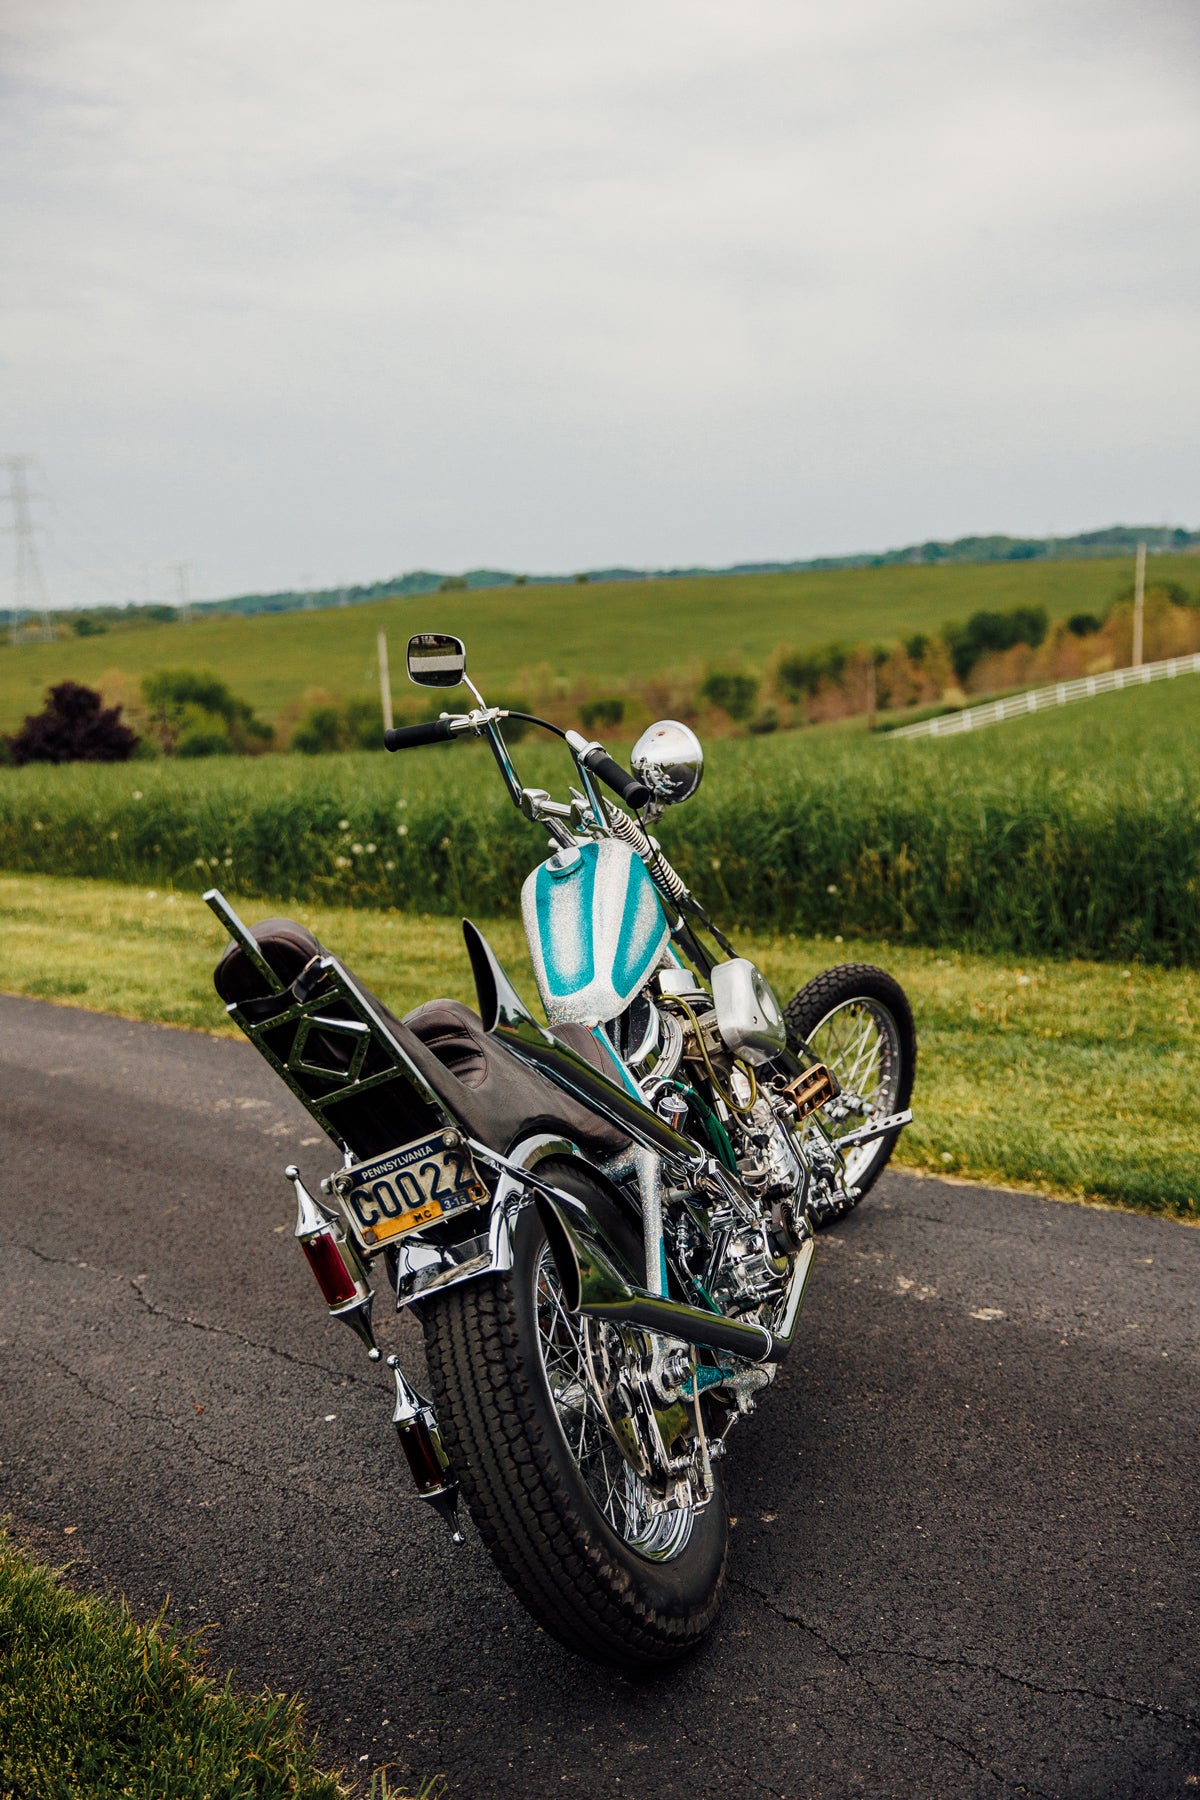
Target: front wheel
{"type": "Point", "coordinates": [856, 1019]}
{"type": "Point", "coordinates": [568, 1523]}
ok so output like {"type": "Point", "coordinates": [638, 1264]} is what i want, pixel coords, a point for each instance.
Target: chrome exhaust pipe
{"type": "Point", "coordinates": [592, 1286]}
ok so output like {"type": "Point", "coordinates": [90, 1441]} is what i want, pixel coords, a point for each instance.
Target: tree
{"type": "Point", "coordinates": [197, 715]}
{"type": "Point", "coordinates": [75, 726]}
{"type": "Point", "coordinates": [733, 693]}
{"type": "Point", "coordinates": [1083, 624]}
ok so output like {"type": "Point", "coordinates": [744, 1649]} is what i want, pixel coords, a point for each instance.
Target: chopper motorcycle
{"type": "Point", "coordinates": [605, 1223]}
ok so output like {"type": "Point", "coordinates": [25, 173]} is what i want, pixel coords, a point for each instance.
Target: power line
{"type": "Point", "coordinates": [29, 594]}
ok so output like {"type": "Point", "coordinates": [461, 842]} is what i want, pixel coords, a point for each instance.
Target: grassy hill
{"type": "Point", "coordinates": [603, 633]}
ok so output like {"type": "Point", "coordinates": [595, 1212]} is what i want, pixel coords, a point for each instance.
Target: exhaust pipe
{"type": "Point", "coordinates": [592, 1286]}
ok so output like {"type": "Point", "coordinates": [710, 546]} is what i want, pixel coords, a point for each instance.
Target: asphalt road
{"type": "Point", "coordinates": [966, 1548]}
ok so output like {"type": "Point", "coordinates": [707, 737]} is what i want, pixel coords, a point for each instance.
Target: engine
{"type": "Point", "coordinates": [736, 1238]}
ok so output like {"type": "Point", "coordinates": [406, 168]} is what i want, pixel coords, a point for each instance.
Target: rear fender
{"type": "Point", "coordinates": [421, 1267]}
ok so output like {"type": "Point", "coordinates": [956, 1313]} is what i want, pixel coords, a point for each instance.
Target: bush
{"type": "Point", "coordinates": [801, 672]}
{"type": "Point", "coordinates": [83, 626]}
{"type": "Point", "coordinates": [602, 712]}
{"type": "Point", "coordinates": [363, 716]}
{"type": "Point", "coordinates": [204, 736]}
{"type": "Point", "coordinates": [1083, 624]}
{"type": "Point", "coordinates": [763, 723]}
{"type": "Point", "coordinates": [319, 732]}
{"type": "Point", "coordinates": [733, 693]}
{"type": "Point", "coordinates": [988, 632]}
{"type": "Point", "coordinates": [916, 646]}
{"type": "Point", "coordinates": [1174, 591]}
{"type": "Point", "coordinates": [75, 726]}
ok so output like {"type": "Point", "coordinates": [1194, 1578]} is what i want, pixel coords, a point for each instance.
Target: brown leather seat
{"type": "Point", "coordinates": [495, 1095]}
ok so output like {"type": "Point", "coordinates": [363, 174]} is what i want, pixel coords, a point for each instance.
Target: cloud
{"type": "Point", "coordinates": [295, 289]}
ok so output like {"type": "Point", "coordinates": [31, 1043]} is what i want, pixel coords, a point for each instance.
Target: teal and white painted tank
{"type": "Point", "coordinates": [596, 931]}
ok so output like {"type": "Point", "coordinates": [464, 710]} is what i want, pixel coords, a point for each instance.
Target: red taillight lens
{"type": "Point", "coordinates": [325, 1260]}
{"type": "Point", "coordinates": [421, 1452]}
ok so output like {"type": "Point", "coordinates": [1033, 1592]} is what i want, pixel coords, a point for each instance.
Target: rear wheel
{"type": "Point", "coordinates": [518, 1384]}
{"type": "Point", "coordinates": [856, 1019]}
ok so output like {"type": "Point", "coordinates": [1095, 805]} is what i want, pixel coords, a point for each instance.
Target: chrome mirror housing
{"type": "Point", "coordinates": [669, 758]}
{"type": "Point", "coordinates": [436, 660]}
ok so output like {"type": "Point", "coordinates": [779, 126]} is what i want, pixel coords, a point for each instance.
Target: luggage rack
{"type": "Point", "coordinates": [328, 1041]}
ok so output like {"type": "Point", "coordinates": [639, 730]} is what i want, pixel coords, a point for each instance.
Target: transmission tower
{"type": "Point", "coordinates": [29, 595]}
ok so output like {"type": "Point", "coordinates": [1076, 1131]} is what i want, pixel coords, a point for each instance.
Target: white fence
{"type": "Point", "coordinates": [994, 712]}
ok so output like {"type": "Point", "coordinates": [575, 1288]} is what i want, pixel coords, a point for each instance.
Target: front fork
{"type": "Point", "coordinates": [342, 1278]}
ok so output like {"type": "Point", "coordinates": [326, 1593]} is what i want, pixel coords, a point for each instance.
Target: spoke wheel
{"type": "Point", "coordinates": [857, 1020]}
{"type": "Point", "coordinates": [571, 1357]}
{"type": "Point", "coordinates": [522, 1391]}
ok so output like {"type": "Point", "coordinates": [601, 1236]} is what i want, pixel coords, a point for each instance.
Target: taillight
{"type": "Point", "coordinates": [327, 1263]}
{"type": "Point", "coordinates": [340, 1273]}
{"type": "Point", "coordinates": [423, 1453]}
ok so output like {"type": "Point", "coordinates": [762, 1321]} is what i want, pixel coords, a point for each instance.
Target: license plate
{"type": "Point", "coordinates": [409, 1187]}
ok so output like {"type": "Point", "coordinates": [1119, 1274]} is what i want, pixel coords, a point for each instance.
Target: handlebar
{"type": "Point", "coordinates": [594, 757]}
{"type": "Point", "coordinates": [627, 787]}
{"type": "Point", "coordinates": [409, 737]}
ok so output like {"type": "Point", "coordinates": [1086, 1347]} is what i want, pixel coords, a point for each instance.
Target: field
{"type": "Point", "coordinates": [1077, 1078]}
{"type": "Point", "coordinates": [1070, 833]}
{"type": "Point", "coordinates": [604, 634]}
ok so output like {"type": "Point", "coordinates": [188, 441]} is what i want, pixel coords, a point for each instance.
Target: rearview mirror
{"type": "Point", "coordinates": [669, 758]}
{"type": "Point", "coordinates": [436, 660]}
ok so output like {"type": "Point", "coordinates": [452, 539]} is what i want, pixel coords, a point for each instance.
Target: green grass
{"type": "Point", "coordinates": [1071, 833]}
{"type": "Point", "coordinates": [94, 1704]}
{"type": "Point", "coordinates": [602, 634]}
{"type": "Point", "coordinates": [1074, 1078]}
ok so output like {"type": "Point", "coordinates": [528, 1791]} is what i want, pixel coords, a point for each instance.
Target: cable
{"type": "Point", "coordinates": [745, 1067]}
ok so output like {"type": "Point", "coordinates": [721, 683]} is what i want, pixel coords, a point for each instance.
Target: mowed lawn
{"type": "Point", "coordinates": [1075, 1078]}
{"type": "Point", "coordinates": [607, 634]}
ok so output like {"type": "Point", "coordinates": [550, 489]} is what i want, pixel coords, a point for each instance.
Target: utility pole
{"type": "Point", "coordinates": [182, 585]}
{"type": "Point", "coordinates": [29, 594]}
{"type": "Point", "coordinates": [1139, 605]}
{"type": "Point", "coordinates": [385, 682]}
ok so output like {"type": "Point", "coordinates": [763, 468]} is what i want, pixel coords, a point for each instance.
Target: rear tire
{"type": "Point", "coordinates": [857, 1019]}
{"type": "Point", "coordinates": [598, 1593]}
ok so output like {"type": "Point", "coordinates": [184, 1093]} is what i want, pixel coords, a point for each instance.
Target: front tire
{"type": "Point", "coordinates": [565, 1536]}
{"type": "Point", "coordinates": [857, 1019]}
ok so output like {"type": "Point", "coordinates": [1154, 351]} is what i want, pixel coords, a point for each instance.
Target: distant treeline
{"type": "Point", "coordinates": [1111, 541]}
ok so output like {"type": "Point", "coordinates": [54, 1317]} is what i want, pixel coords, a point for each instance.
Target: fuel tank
{"type": "Point", "coordinates": [596, 931]}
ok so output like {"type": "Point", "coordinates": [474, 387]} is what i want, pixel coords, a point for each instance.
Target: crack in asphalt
{"type": "Point", "coordinates": [1154, 1708]}
{"type": "Point", "coordinates": [288, 1356]}
{"type": "Point", "coordinates": [848, 1659]}
{"type": "Point", "coordinates": [161, 1312]}
{"type": "Point", "coordinates": [154, 1418]}
{"type": "Point", "coordinates": [740, 1773]}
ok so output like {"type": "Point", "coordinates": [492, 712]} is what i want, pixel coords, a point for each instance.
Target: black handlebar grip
{"type": "Point", "coordinates": [627, 787]}
{"type": "Point", "coordinates": [408, 737]}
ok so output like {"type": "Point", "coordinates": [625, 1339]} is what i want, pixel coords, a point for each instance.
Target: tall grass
{"type": "Point", "coordinates": [1076, 834]}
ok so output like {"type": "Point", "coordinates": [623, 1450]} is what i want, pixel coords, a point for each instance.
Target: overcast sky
{"type": "Point", "coordinates": [298, 292]}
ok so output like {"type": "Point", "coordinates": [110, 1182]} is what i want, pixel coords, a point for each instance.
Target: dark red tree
{"type": "Point", "coordinates": [76, 726]}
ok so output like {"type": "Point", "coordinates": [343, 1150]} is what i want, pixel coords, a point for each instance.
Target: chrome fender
{"type": "Point", "coordinates": [422, 1267]}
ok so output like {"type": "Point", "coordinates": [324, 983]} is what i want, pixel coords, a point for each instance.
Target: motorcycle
{"type": "Point", "coordinates": [605, 1223]}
